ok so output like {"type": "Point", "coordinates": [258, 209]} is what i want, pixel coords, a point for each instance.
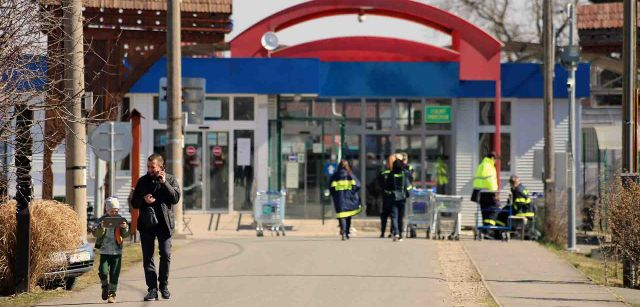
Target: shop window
{"type": "Point", "coordinates": [243, 169]}
{"type": "Point", "coordinates": [378, 114]}
{"type": "Point", "coordinates": [487, 113]}
{"type": "Point", "coordinates": [216, 108]}
{"type": "Point", "coordinates": [486, 146]}
{"type": "Point", "coordinates": [243, 108]}
{"type": "Point", "coordinates": [409, 114]}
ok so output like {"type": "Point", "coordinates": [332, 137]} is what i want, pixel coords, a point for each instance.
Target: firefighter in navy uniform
{"type": "Point", "coordinates": [397, 188]}
{"type": "Point", "coordinates": [345, 187]}
{"type": "Point", "coordinates": [521, 206]}
{"type": "Point", "coordinates": [387, 202]}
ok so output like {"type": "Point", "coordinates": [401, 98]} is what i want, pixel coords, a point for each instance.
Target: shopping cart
{"type": "Point", "coordinates": [420, 212]}
{"type": "Point", "coordinates": [447, 209]}
{"type": "Point", "coordinates": [481, 229]}
{"type": "Point", "coordinates": [269, 212]}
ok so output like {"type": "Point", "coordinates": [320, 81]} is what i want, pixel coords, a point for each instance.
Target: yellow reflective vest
{"type": "Point", "coordinates": [486, 177]}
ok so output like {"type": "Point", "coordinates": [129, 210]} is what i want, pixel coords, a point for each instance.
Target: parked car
{"type": "Point", "coordinates": [79, 262]}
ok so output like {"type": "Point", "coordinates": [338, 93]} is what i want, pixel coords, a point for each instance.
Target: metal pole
{"type": "Point", "coordinates": [76, 148]}
{"type": "Point", "coordinates": [549, 158]}
{"type": "Point", "coordinates": [571, 84]}
{"type": "Point", "coordinates": [97, 198]}
{"type": "Point", "coordinates": [174, 101]}
{"type": "Point", "coordinates": [112, 163]}
{"type": "Point", "coordinates": [629, 153]}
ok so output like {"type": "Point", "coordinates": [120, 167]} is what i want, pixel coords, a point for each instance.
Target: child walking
{"type": "Point", "coordinates": [109, 243]}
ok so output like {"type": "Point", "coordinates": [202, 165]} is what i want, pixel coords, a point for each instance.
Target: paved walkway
{"type": "Point", "coordinates": [291, 271]}
{"type": "Point", "coordinates": [526, 274]}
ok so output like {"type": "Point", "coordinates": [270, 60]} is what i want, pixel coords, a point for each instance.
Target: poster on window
{"type": "Point", "coordinates": [244, 152]}
{"type": "Point", "coordinates": [292, 175]}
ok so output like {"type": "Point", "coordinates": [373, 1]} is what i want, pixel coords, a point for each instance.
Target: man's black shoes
{"type": "Point", "coordinates": [165, 293]}
{"type": "Point", "coordinates": [152, 295]}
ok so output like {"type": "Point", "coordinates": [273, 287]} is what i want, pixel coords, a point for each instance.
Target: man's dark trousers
{"type": "Point", "coordinates": [148, 240]}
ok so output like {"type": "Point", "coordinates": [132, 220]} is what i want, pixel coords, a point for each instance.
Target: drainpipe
{"type": "Point", "coordinates": [335, 113]}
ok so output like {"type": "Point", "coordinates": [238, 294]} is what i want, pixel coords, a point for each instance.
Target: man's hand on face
{"type": "Point", "coordinates": [161, 176]}
{"type": "Point", "coordinates": [149, 199]}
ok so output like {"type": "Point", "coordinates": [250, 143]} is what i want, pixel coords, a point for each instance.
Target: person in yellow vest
{"type": "Point", "coordinates": [442, 178]}
{"type": "Point", "coordinates": [486, 179]}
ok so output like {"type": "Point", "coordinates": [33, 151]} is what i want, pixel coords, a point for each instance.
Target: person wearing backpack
{"type": "Point", "coordinates": [397, 188]}
{"type": "Point", "coordinates": [345, 188]}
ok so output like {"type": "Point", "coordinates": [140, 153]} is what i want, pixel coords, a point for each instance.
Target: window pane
{"type": "Point", "coordinates": [243, 108]}
{"type": "Point", "coordinates": [487, 113]}
{"type": "Point", "coordinates": [216, 108]}
{"type": "Point", "coordinates": [156, 108]}
{"type": "Point", "coordinates": [290, 107]}
{"type": "Point", "coordinates": [486, 145]}
{"type": "Point", "coordinates": [378, 114]}
{"type": "Point", "coordinates": [159, 142]}
{"type": "Point", "coordinates": [409, 114]}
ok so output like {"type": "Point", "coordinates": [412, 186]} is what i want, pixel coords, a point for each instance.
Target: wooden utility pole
{"type": "Point", "coordinates": [135, 164]}
{"type": "Point", "coordinates": [76, 134]}
{"type": "Point", "coordinates": [174, 109]}
{"type": "Point", "coordinates": [549, 158]}
{"type": "Point", "coordinates": [629, 116]}
{"type": "Point", "coordinates": [24, 121]}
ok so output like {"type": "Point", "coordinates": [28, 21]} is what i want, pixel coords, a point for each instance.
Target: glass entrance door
{"type": "Point", "coordinates": [217, 154]}
{"type": "Point", "coordinates": [206, 171]}
{"type": "Point", "coordinates": [192, 169]}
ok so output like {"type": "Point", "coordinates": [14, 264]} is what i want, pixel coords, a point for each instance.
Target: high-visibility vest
{"type": "Point", "coordinates": [442, 177]}
{"type": "Point", "coordinates": [486, 177]}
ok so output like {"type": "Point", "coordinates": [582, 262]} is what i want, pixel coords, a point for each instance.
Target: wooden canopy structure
{"type": "Point", "coordinates": [123, 38]}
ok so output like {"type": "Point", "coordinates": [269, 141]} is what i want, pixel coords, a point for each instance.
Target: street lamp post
{"type": "Point", "coordinates": [569, 59]}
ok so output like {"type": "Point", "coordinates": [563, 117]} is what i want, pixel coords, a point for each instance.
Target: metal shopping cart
{"type": "Point", "coordinates": [420, 212]}
{"type": "Point", "coordinates": [269, 212]}
{"type": "Point", "coordinates": [447, 210]}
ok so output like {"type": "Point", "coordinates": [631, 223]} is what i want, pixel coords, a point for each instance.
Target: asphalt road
{"type": "Point", "coordinates": [290, 271]}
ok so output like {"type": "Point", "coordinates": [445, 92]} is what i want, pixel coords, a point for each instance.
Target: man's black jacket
{"type": "Point", "coordinates": [166, 194]}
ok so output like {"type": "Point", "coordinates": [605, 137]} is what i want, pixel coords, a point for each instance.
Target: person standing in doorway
{"type": "Point", "coordinates": [154, 195]}
{"type": "Point", "coordinates": [397, 188]}
{"type": "Point", "coordinates": [345, 189]}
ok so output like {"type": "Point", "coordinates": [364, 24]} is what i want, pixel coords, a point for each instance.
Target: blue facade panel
{"type": "Point", "coordinates": [361, 79]}
{"type": "Point", "coordinates": [389, 79]}
{"type": "Point", "coordinates": [241, 76]}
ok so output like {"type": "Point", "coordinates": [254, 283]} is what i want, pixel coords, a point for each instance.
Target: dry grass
{"type": "Point", "coordinates": [54, 227]}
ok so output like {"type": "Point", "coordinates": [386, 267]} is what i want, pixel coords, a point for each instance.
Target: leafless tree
{"type": "Point", "coordinates": [511, 21]}
{"type": "Point", "coordinates": [31, 85]}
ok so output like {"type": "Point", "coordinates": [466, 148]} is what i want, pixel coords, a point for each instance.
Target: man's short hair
{"type": "Point", "coordinates": [492, 155]}
{"type": "Point", "coordinates": [513, 179]}
{"type": "Point", "coordinates": [156, 157]}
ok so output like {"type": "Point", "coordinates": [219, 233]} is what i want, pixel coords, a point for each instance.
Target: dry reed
{"type": "Point", "coordinates": [55, 227]}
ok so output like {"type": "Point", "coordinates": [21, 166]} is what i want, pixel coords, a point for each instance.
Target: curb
{"type": "Point", "coordinates": [484, 282]}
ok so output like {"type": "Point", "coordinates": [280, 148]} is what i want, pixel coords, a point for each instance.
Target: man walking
{"type": "Point", "coordinates": [154, 195]}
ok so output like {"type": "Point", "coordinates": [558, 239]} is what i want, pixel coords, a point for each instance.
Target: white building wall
{"type": "Point", "coordinates": [527, 135]}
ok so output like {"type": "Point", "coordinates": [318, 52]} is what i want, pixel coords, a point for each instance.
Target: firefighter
{"type": "Point", "coordinates": [410, 171]}
{"type": "Point", "coordinates": [386, 200]}
{"type": "Point", "coordinates": [486, 179]}
{"type": "Point", "coordinates": [345, 189]}
{"type": "Point", "coordinates": [442, 178]}
{"type": "Point", "coordinates": [397, 188]}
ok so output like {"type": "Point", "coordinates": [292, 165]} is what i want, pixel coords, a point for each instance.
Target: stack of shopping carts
{"type": "Point", "coordinates": [420, 212]}
{"type": "Point", "coordinates": [447, 212]}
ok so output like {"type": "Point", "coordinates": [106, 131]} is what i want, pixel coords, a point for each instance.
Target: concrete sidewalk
{"type": "Point", "coordinates": [523, 273]}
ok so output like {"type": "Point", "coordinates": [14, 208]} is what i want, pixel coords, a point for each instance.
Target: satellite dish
{"type": "Point", "coordinates": [269, 41]}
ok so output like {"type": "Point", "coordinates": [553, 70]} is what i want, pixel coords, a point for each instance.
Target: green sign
{"type": "Point", "coordinates": [437, 114]}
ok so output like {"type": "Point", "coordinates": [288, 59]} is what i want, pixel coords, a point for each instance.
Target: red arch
{"type": "Point", "coordinates": [479, 52]}
{"type": "Point", "coordinates": [368, 49]}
